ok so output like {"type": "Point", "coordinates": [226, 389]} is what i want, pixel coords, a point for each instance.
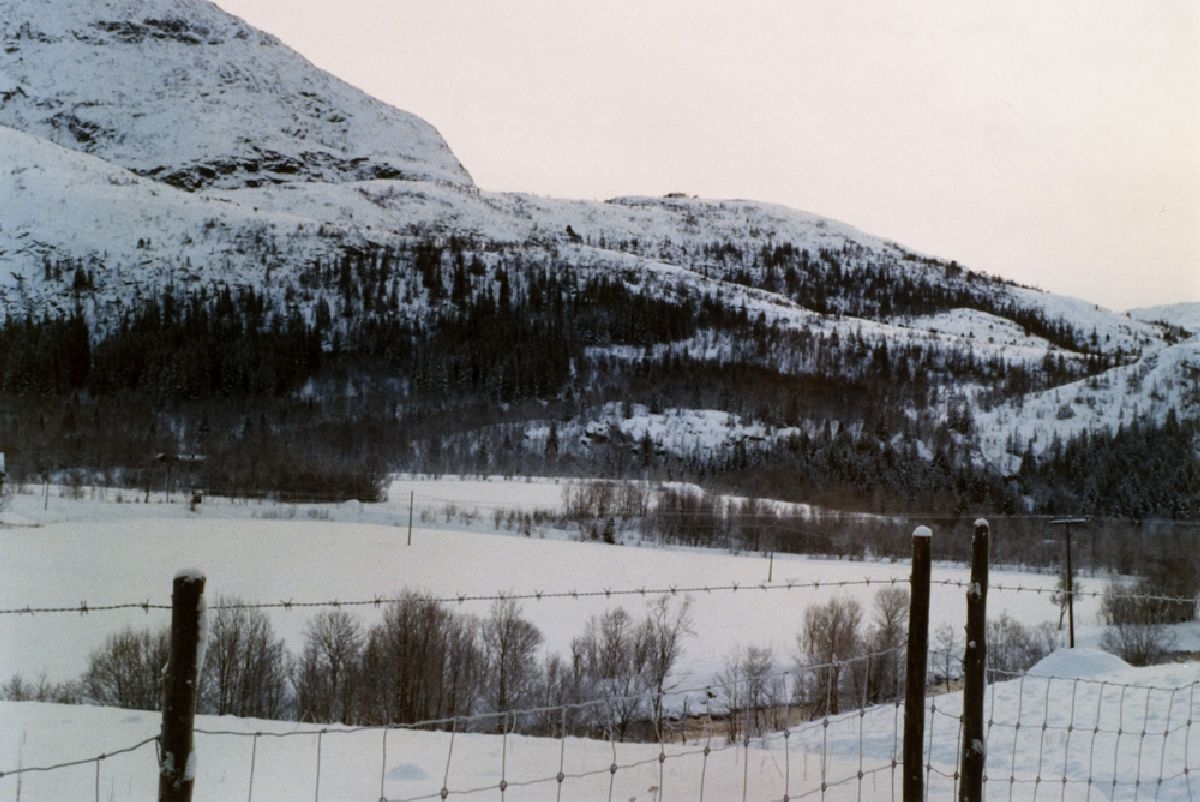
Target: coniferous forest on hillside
{"type": "Point", "coordinates": [321, 393]}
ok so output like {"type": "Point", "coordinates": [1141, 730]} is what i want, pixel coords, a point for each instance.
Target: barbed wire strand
{"type": "Point", "coordinates": [378, 601]}
{"type": "Point", "coordinates": [83, 608]}
{"type": "Point", "coordinates": [1094, 594]}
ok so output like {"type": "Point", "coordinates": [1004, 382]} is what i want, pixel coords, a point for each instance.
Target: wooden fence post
{"type": "Point", "coordinates": [917, 668]}
{"type": "Point", "coordinates": [974, 756]}
{"type": "Point", "coordinates": [177, 767]}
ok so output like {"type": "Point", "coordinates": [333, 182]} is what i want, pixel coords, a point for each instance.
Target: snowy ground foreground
{"type": "Point", "coordinates": [1108, 730]}
{"type": "Point", "coordinates": [101, 552]}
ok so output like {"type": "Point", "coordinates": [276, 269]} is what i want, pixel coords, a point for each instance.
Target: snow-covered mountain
{"type": "Point", "coordinates": [183, 92]}
{"type": "Point", "coordinates": [164, 147]}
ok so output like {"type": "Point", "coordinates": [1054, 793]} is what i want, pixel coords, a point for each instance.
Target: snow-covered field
{"type": "Point", "coordinates": [102, 553]}
{"type": "Point", "coordinates": [63, 552]}
{"type": "Point", "coordinates": [1090, 727]}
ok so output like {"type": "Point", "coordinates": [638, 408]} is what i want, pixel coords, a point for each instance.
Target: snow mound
{"type": "Point", "coordinates": [10, 519]}
{"type": "Point", "coordinates": [1080, 664]}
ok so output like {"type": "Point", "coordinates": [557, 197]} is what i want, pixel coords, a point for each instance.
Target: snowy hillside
{"type": "Point", "coordinates": [1147, 390]}
{"type": "Point", "coordinates": [189, 95]}
{"type": "Point", "coordinates": [1186, 315]}
{"type": "Point", "coordinates": [134, 236]}
{"type": "Point", "coordinates": [162, 150]}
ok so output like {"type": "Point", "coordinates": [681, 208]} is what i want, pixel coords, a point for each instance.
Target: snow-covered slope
{"type": "Point", "coordinates": [155, 145]}
{"type": "Point", "coordinates": [1186, 315]}
{"type": "Point", "coordinates": [1146, 390]}
{"type": "Point", "coordinates": [133, 235]}
{"type": "Point", "coordinates": [183, 92]}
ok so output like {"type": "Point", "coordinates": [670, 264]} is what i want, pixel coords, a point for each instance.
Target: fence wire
{"type": "Point", "coordinates": [1062, 737]}
{"type": "Point", "coordinates": [1047, 737]}
{"type": "Point", "coordinates": [379, 601]}
{"type": "Point", "coordinates": [382, 600]}
{"type": "Point", "coordinates": [734, 723]}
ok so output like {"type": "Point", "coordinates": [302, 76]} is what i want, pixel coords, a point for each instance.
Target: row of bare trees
{"type": "Point", "coordinates": [420, 661]}
{"type": "Point", "coordinates": [424, 661]}
{"type": "Point", "coordinates": [841, 661]}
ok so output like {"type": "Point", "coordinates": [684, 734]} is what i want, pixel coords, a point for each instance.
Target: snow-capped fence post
{"type": "Point", "coordinates": [177, 764]}
{"type": "Point", "coordinates": [918, 666]}
{"type": "Point", "coordinates": [974, 755]}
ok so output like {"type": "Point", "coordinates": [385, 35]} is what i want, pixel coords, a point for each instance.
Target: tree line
{"type": "Point", "coordinates": [420, 661]}
{"type": "Point", "coordinates": [437, 356]}
{"type": "Point", "coordinates": [423, 661]}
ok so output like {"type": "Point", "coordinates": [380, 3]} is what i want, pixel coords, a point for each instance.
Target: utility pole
{"type": "Point", "coordinates": [1070, 589]}
{"type": "Point", "coordinates": [411, 495]}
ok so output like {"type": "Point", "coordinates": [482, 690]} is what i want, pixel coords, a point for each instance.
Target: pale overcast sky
{"type": "Point", "coordinates": [1054, 143]}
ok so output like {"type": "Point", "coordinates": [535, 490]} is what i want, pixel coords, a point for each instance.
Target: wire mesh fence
{"type": "Point", "coordinates": [774, 736]}
{"type": "Point", "coordinates": [1048, 738]}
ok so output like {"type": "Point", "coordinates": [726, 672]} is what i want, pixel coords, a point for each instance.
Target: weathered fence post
{"type": "Point", "coordinates": [974, 756]}
{"type": "Point", "coordinates": [177, 766]}
{"type": "Point", "coordinates": [918, 666]}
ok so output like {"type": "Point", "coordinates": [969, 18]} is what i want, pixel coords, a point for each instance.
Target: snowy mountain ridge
{"type": "Point", "coordinates": [190, 95]}
{"type": "Point", "coordinates": [167, 148]}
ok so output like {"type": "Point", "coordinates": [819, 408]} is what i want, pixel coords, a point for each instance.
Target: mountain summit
{"type": "Point", "coordinates": [182, 92]}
